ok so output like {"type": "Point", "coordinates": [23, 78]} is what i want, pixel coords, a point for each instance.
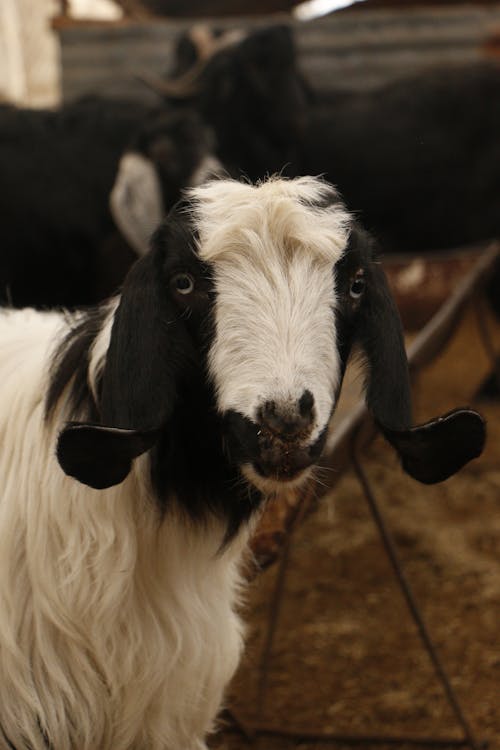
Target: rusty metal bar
{"type": "Point", "coordinates": [435, 335]}
{"type": "Point", "coordinates": [487, 342]}
{"type": "Point", "coordinates": [390, 548]}
{"type": "Point", "coordinates": [276, 602]}
{"type": "Point", "coordinates": [305, 735]}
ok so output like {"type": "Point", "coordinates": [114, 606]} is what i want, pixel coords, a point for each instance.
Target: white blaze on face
{"type": "Point", "coordinates": [272, 248]}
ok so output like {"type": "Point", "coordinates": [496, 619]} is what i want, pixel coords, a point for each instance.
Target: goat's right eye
{"type": "Point", "coordinates": [183, 283]}
{"type": "Point", "coordinates": [357, 287]}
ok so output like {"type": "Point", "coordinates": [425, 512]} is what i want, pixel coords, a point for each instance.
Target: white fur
{"type": "Point", "coordinates": [207, 169]}
{"type": "Point", "coordinates": [100, 348]}
{"type": "Point", "coordinates": [273, 253]}
{"type": "Point", "coordinates": [135, 201]}
{"type": "Point", "coordinates": [117, 632]}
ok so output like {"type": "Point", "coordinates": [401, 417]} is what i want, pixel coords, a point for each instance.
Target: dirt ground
{"type": "Point", "coordinates": [347, 658]}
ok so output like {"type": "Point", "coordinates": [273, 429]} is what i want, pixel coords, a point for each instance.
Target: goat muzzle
{"type": "Point", "coordinates": [281, 460]}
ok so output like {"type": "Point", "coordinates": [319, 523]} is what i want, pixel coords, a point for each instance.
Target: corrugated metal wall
{"type": "Point", "coordinates": [109, 59]}
{"type": "Point", "coordinates": [362, 50]}
{"type": "Point", "coordinates": [351, 50]}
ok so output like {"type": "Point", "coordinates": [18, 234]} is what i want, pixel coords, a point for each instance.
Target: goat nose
{"type": "Point", "coordinates": [288, 419]}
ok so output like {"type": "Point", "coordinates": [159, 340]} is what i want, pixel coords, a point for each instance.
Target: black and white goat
{"type": "Point", "coordinates": [139, 441]}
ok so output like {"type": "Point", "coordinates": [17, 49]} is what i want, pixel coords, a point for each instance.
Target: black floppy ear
{"type": "Point", "coordinates": [380, 335]}
{"type": "Point", "coordinates": [101, 457]}
{"type": "Point", "coordinates": [431, 452]}
{"type": "Point", "coordinates": [148, 348]}
{"type": "Point", "coordinates": [147, 352]}
{"type": "Point", "coordinates": [434, 451]}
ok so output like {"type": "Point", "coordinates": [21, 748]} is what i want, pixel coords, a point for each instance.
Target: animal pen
{"type": "Point", "coordinates": [91, 56]}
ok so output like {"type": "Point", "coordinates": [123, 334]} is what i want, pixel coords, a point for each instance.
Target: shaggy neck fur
{"type": "Point", "coordinates": [100, 648]}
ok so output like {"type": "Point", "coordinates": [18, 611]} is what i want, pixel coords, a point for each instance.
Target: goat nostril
{"type": "Point", "coordinates": [288, 419]}
{"type": "Point", "coordinates": [306, 404]}
{"type": "Point", "coordinates": [269, 417]}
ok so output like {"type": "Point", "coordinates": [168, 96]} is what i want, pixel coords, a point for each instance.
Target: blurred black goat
{"type": "Point", "coordinates": [60, 245]}
{"type": "Point", "coordinates": [419, 159]}
{"type": "Point", "coordinates": [69, 178]}
{"type": "Point", "coordinates": [249, 90]}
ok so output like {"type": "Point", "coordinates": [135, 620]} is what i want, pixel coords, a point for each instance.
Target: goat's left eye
{"type": "Point", "coordinates": [183, 283]}
{"type": "Point", "coordinates": [357, 287]}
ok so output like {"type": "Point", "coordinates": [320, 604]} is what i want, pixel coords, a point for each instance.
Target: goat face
{"type": "Point", "coordinates": [273, 358]}
{"type": "Point", "coordinates": [245, 312]}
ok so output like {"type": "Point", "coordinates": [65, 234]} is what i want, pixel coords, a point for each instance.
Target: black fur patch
{"type": "Point", "coordinates": [192, 461]}
{"type": "Point", "coordinates": [71, 362]}
{"type": "Point", "coordinates": [434, 451]}
{"type": "Point", "coordinates": [372, 321]}
{"type": "Point", "coordinates": [154, 382]}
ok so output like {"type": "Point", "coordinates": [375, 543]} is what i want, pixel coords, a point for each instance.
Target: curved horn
{"type": "Point", "coordinates": [184, 87]}
{"type": "Point", "coordinates": [203, 40]}
{"type": "Point", "coordinates": [206, 44]}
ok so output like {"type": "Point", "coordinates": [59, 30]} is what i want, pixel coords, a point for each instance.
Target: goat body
{"type": "Point", "coordinates": [57, 170]}
{"type": "Point", "coordinates": [60, 244]}
{"type": "Point", "coordinates": [418, 159]}
{"type": "Point", "coordinates": [140, 439]}
{"type": "Point", "coordinates": [248, 88]}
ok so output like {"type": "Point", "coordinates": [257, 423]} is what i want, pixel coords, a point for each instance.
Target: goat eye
{"type": "Point", "coordinates": [357, 287]}
{"type": "Point", "coordinates": [183, 283]}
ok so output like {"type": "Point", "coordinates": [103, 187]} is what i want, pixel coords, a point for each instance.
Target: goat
{"type": "Point", "coordinates": [60, 169]}
{"type": "Point", "coordinates": [141, 438]}
{"type": "Point", "coordinates": [418, 159]}
{"type": "Point", "coordinates": [248, 90]}
{"type": "Point", "coordinates": [170, 150]}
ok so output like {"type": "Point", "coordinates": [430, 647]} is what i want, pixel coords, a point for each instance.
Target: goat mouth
{"type": "Point", "coordinates": [287, 467]}
{"type": "Point", "coordinates": [284, 459]}
{"type": "Point", "coordinates": [273, 482]}
{"type": "Point", "coordinates": [283, 465]}
{"type": "Point", "coordinates": [267, 460]}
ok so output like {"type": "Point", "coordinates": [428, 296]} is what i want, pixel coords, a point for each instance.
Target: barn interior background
{"type": "Point", "coordinates": [54, 49]}
{"type": "Point", "coordinates": [346, 659]}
